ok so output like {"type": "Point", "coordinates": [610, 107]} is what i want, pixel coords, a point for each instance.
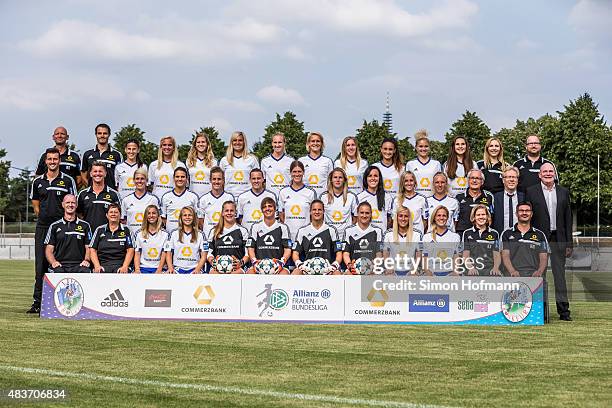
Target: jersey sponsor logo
{"type": "Point", "coordinates": [442, 254]}
{"type": "Point", "coordinates": [239, 175]}
{"type": "Point", "coordinates": [489, 237]}
{"type": "Point", "coordinates": [61, 183]}
{"type": "Point", "coordinates": [153, 252]}
{"type": "Point", "coordinates": [461, 181]}
{"type": "Point", "coordinates": [388, 184]}
{"type": "Point", "coordinates": [337, 216]}
{"type": "Point", "coordinates": [200, 175]}
{"type": "Point", "coordinates": [164, 179]}
{"type": "Point", "coordinates": [176, 213]}
{"type": "Point", "coordinates": [352, 180]}
{"type": "Point", "coordinates": [227, 240]}
{"type": "Point", "coordinates": [139, 217]}
{"type": "Point", "coordinates": [534, 237]}
{"type": "Point", "coordinates": [279, 178]}
{"type": "Point", "coordinates": [425, 182]}
{"type": "Point", "coordinates": [295, 209]}
{"type": "Point", "coordinates": [78, 228]}
{"type": "Point", "coordinates": [68, 297]}
{"type": "Point", "coordinates": [121, 233]}
{"type": "Point", "coordinates": [516, 304]}
{"type": "Point", "coordinates": [363, 243]}
{"type": "Point", "coordinates": [256, 215]}
{"type": "Point", "coordinates": [268, 240]}
{"type": "Point", "coordinates": [216, 216]}
{"type": "Point", "coordinates": [317, 242]}
{"type": "Point", "coordinates": [186, 252]}
{"type": "Point", "coordinates": [375, 214]}
{"type": "Point", "coordinates": [111, 157]}
{"type": "Point", "coordinates": [107, 196]}
{"type": "Point", "coordinates": [130, 182]}
{"type": "Point", "coordinates": [69, 158]}
{"type": "Point", "coordinates": [313, 179]}
{"type": "Point", "coordinates": [204, 295]}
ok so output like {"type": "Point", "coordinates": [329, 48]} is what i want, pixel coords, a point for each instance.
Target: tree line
{"type": "Point", "coordinates": [572, 138]}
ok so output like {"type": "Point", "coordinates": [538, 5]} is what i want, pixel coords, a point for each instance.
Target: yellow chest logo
{"type": "Point", "coordinates": [164, 179]}
{"type": "Point", "coordinates": [461, 181]}
{"type": "Point", "coordinates": [239, 175]}
{"type": "Point", "coordinates": [200, 175]}
{"type": "Point", "coordinates": [352, 180]}
{"type": "Point", "coordinates": [313, 179]}
{"type": "Point", "coordinates": [130, 182]}
{"type": "Point", "coordinates": [295, 209]}
{"type": "Point", "coordinates": [152, 252]}
{"type": "Point", "coordinates": [216, 216]}
{"type": "Point", "coordinates": [256, 215]}
{"type": "Point", "coordinates": [186, 251]}
{"type": "Point", "coordinates": [279, 179]}
{"type": "Point", "coordinates": [139, 217]}
{"type": "Point", "coordinates": [337, 216]}
{"type": "Point", "coordinates": [425, 182]}
{"type": "Point", "coordinates": [375, 214]}
{"type": "Point", "coordinates": [388, 184]}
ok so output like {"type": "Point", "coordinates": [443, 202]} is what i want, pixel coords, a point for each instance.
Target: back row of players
{"type": "Point", "coordinates": [204, 189]}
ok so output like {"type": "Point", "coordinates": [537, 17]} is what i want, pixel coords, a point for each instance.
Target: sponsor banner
{"type": "Point", "coordinates": [311, 299]}
{"type": "Point", "coordinates": [293, 298]}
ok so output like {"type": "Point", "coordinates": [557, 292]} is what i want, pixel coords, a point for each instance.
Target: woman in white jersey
{"type": "Point", "coordinates": [133, 206]}
{"type": "Point", "coordinates": [440, 245]}
{"type": "Point", "coordinates": [237, 164]}
{"type": "Point", "coordinates": [340, 204]}
{"type": "Point", "coordinates": [124, 172]}
{"type": "Point", "coordinates": [294, 200]}
{"type": "Point", "coordinates": [150, 243]}
{"type": "Point", "coordinates": [200, 160]}
{"type": "Point", "coordinates": [423, 167]}
{"type": "Point", "coordinates": [391, 165]}
{"type": "Point", "coordinates": [316, 166]}
{"type": "Point", "coordinates": [185, 249]}
{"type": "Point", "coordinates": [409, 198]}
{"type": "Point", "coordinates": [352, 163]}
{"type": "Point", "coordinates": [374, 193]}
{"type": "Point", "coordinates": [458, 164]}
{"type": "Point", "coordinates": [276, 165]}
{"type": "Point", "coordinates": [177, 198]}
{"type": "Point", "coordinates": [403, 243]}
{"type": "Point", "coordinates": [441, 197]}
{"type": "Point", "coordinates": [161, 171]}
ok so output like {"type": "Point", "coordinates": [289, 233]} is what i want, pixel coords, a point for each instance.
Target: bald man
{"type": "Point", "coordinates": [70, 162]}
{"type": "Point", "coordinates": [552, 214]}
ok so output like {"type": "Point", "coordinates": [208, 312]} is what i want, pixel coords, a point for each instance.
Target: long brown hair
{"type": "Point", "coordinates": [452, 162]}
{"type": "Point", "coordinates": [398, 159]}
{"type": "Point", "coordinates": [221, 224]}
{"type": "Point", "coordinates": [343, 155]}
{"type": "Point", "coordinates": [145, 222]}
{"type": "Point", "coordinates": [330, 186]}
{"type": "Point", "coordinates": [192, 156]}
{"type": "Point", "coordinates": [194, 225]}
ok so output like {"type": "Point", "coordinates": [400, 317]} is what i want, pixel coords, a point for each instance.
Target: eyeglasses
{"type": "Point", "coordinates": [510, 177]}
{"type": "Point", "coordinates": [533, 143]}
{"type": "Point", "coordinates": [475, 178]}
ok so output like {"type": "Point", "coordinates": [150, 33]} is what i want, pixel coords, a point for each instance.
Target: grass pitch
{"type": "Point", "coordinates": [182, 364]}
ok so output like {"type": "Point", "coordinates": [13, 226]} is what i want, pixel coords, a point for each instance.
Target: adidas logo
{"type": "Point", "coordinates": [115, 299]}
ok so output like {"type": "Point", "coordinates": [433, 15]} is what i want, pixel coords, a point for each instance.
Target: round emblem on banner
{"type": "Point", "coordinates": [516, 304]}
{"type": "Point", "coordinates": [278, 299]}
{"type": "Point", "coordinates": [68, 297]}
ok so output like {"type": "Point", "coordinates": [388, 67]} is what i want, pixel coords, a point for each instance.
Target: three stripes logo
{"type": "Point", "coordinates": [115, 299]}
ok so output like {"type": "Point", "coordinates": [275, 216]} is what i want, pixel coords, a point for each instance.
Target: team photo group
{"type": "Point", "coordinates": [107, 211]}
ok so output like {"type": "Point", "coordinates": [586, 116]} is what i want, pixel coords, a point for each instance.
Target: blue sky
{"type": "Point", "coordinates": [171, 68]}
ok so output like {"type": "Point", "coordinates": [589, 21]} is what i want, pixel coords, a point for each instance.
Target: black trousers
{"type": "Point", "coordinates": [40, 262]}
{"type": "Point", "coordinates": [70, 269]}
{"type": "Point", "coordinates": [557, 261]}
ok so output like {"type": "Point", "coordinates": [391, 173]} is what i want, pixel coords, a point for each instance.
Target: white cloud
{"type": "Point", "coordinates": [592, 17]}
{"type": "Point", "coordinates": [38, 94]}
{"type": "Point", "coordinates": [277, 95]}
{"type": "Point", "coordinates": [236, 104]}
{"type": "Point", "coordinates": [368, 16]}
{"type": "Point", "coordinates": [296, 53]}
{"type": "Point", "coordinates": [169, 38]}
{"type": "Point", "coordinates": [222, 125]}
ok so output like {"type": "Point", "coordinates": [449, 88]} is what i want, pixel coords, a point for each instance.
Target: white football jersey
{"type": "Point", "coordinates": [171, 205]}
{"type": "Point", "coordinates": [249, 207]}
{"type": "Point", "coordinates": [199, 177]}
{"type": "Point", "coordinates": [390, 177]}
{"type": "Point", "coordinates": [162, 179]}
{"type": "Point", "coordinates": [424, 173]}
{"type": "Point", "coordinates": [124, 178]}
{"type": "Point", "coordinates": [459, 183]}
{"type": "Point", "coordinates": [444, 248]}
{"type": "Point", "coordinates": [418, 207]}
{"type": "Point", "coordinates": [133, 210]}
{"type": "Point", "coordinates": [354, 174]}
{"type": "Point", "coordinates": [379, 215]}
{"type": "Point", "coordinates": [276, 172]}
{"type": "Point", "coordinates": [451, 204]}
{"type": "Point", "coordinates": [186, 254]}
{"type": "Point", "coordinates": [151, 249]}
{"type": "Point", "coordinates": [296, 206]}
{"type": "Point", "coordinates": [210, 209]}
{"type": "Point", "coordinates": [339, 213]}
{"type": "Point", "coordinates": [237, 175]}
{"type": "Point", "coordinates": [316, 172]}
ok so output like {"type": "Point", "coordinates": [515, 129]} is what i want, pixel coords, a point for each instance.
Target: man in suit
{"type": "Point", "coordinates": [553, 215]}
{"type": "Point", "coordinates": [505, 202]}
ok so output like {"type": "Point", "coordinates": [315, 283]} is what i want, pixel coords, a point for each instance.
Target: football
{"type": "Point", "coordinates": [363, 266]}
{"type": "Point", "coordinates": [316, 266]}
{"type": "Point", "coordinates": [224, 264]}
{"type": "Point", "coordinates": [266, 267]}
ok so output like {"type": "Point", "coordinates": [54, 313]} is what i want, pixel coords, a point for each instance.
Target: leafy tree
{"type": "Point", "coordinates": [514, 139]}
{"type": "Point", "coordinates": [295, 136]}
{"type": "Point", "coordinates": [19, 190]}
{"type": "Point", "coordinates": [473, 129]}
{"type": "Point", "coordinates": [218, 145]}
{"type": "Point", "coordinates": [406, 149]}
{"type": "Point", "coordinates": [580, 136]}
{"type": "Point", "coordinates": [438, 150]}
{"type": "Point", "coordinates": [370, 136]}
{"type": "Point", "coordinates": [4, 181]}
{"type": "Point", "coordinates": [148, 150]}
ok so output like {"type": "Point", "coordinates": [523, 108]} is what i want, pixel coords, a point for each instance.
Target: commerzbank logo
{"type": "Point", "coordinates": [425, 182]}
{"type": "Point", "coordinates": [279, 179]}
{"type": "Point", "coordinates": [375, 214]}
{"type": "Point", "coordinates": [204, 295]}
{"type": "Point", "coordinates": [239, 175]}
{"type": "Point", "coordinates": [153, 252]}
{"type": "Point", "coordinates": [139, 217]}
{"type": "Point", "coordinates": [377, 298]}
{"type": "Point", "coordinates": [337, 216]}
{"type": "Point", "coordinates": [216, 216]}
{"type": "Point", "coordinates": [313, 179]}
{"type": "Point", "coordinates": [256, 215]}
{"type": "Point", "coordinates": [461, 181]}
{"type": "Point", "coordinates": [176, 213]}
{"type": "Point", "coordinates": [164, 179]}
{"type": "Point", "coordinates": [130, 182]}
{"type": "Point", "coordinates": [200, 175]}
{"type": "Point", "coordinates": [295, 209]}
{"type": "Point", "coordinates": [352, 180]}
{"type": "Point", "coordinates": [186, 252]}
{"type": "Point", "coordinates": [388, 184]}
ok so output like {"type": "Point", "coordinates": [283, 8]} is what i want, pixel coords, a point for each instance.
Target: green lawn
{"type": "Point", "coordinates": [558, 365]}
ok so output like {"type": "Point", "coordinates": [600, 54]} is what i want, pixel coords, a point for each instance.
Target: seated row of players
{"type": "Point", "coordinates": [317, 249]}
